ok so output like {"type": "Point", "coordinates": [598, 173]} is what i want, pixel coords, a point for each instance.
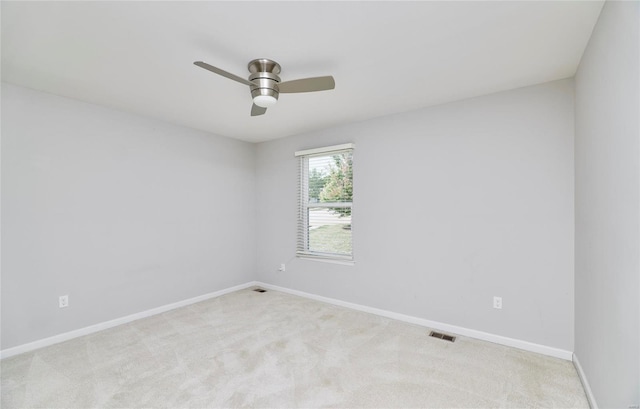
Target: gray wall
{"type": "Point", "coordinates": [121, 213]}
{"type": "Point", "coordinates": [608, 207]}
{"type": "Point", "coordinates": [452, 205]}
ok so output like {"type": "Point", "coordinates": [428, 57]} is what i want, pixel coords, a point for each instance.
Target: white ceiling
{"type": "Point", "coordinates": [386, 57]}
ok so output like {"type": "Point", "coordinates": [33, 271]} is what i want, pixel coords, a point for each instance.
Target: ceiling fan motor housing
{"type": "Point", "coordinates": [264, 76]}
{"type": "Point", "coordinates": [265, 84]}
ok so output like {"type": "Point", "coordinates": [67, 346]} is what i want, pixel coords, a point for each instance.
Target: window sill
{"type": "Point", "coordinates": [328, 260]}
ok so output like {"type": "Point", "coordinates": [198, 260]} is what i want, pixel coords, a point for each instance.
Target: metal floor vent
{"type": "Point", "coordinates": [260, 290]}
{"type": "Point", "coordinates": [446, 337]}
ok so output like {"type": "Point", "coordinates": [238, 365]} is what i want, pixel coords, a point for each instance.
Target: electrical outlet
{"type": "Point", "coordinates": [497, 303]}
{"type": "Point", "coordinates": [282, 267]}
{"type": "Point", "coordinates": [63, 301]}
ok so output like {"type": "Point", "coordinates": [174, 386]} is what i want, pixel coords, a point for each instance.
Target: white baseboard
{"type": "Point", "coordinates": [585, 383]}
{"type": "Point", "coordinates": [118, 321]}
{"type": "Point", "coordinates": [498, 339]}
{"type": "Point", "coordinates": [485, 336]}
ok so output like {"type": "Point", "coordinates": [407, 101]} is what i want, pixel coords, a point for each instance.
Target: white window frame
{"type": "Point", "coordinates": [303, 205]}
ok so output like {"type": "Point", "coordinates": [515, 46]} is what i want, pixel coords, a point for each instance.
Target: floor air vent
{"type": "Point", "coordinates": [446, 337]}
{"type": "Point", "coordinates": [260, 290]}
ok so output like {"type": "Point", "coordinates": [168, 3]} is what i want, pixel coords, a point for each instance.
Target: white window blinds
{"type": "Point", "coordinates": [325, 203]}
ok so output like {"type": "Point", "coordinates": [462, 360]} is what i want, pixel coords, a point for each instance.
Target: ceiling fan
{"type": "Point", "coordinates": [265, 84]}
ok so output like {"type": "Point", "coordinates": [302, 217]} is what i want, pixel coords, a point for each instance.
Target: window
{"type": "Point", "coordinates": [325, 203]}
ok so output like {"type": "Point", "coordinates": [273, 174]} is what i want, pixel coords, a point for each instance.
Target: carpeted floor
{"type": "Point", "coordinates": [250, 349]}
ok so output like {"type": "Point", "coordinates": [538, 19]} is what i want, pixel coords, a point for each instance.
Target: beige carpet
{"type": "Point", "coordinates": [249, 349]}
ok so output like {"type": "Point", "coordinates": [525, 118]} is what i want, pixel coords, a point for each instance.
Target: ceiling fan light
{"type": "Point", "coordinates": [265, 101]}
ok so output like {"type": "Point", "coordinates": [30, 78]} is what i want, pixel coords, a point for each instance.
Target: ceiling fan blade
{"type": "Point", "coordinates": [307, 85]}
{"type": "Point", "coordinates": [223, 73]}
{"type": "Point", "coordinates": [256, 110]}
